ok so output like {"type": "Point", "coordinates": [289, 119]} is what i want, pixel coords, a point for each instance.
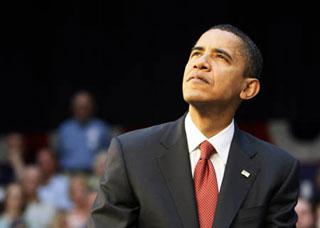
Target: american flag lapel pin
{"type": "Point", "coordinates": [245, 173]}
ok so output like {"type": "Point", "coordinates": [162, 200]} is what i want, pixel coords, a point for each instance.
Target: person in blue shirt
{"type": "Point", "coordinates": [83, 136]}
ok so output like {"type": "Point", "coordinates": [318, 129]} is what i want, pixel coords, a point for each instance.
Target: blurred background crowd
{"type": "Point", "coordinates": [52, 180]}
{"type": "Point", "coordinates": [76, 73]}
{"type": "Point", "coordinates": [54, 185]}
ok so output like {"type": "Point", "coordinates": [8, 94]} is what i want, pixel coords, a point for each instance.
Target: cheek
{"type": "Point", "coordinates": [228, 86]}
{"type": "Point", "coordinates": [188, 68]}
{"type": "Point", "coordinates": [232, 77]}
{"type": "Point", "coordinates": [185, 76]}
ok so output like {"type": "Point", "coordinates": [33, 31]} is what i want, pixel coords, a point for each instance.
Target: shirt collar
{"type": "Point", "coordinates": [220, 141]}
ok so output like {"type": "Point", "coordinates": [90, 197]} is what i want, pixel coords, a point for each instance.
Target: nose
{"type": "Point", "coordinates": [202, 63]}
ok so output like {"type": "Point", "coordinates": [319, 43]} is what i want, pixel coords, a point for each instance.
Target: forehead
{"type": "Point", "coordinates": [216, 38]}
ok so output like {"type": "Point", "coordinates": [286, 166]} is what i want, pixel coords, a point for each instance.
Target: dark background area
{"type": "Point", "coordinates": [131, 56]}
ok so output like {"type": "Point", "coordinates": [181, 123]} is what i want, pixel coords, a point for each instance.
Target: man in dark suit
{"type": "Point", "coordinates": [201, 170]}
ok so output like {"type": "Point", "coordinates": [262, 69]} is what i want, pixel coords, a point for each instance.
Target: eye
{"type": "Point", "coordinates": [222, 57]}
{"type": "Point", "coordinates": [195, 53]}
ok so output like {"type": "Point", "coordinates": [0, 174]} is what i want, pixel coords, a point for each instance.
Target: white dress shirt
{"type": "Point", "coordinates": [221, 142]}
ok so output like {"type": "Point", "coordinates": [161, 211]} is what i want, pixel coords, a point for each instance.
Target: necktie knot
{"type": "Point", "coordinates": [206, 150]}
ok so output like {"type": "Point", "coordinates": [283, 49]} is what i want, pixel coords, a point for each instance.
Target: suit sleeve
{"type": "Point", "coordinates": [115, 205]}
{"type": "Point", "coordinates": [281, 211]}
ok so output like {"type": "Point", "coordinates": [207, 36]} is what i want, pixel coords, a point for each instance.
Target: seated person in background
{"type": "Point", "coordinates": [13, 207]}
{"type": "Point", "coordinates": [316, 212]}
{"type": "Point", "coordinates": [98, 170]}
{"type": "Point", "coordinates": [37, 214]}
{"type": "Point", "coordinates": [81, 137]}
{"type": "Point", "coordinates": [14, 149]}
{"type": "Point", "coordinates": [305, 214]}
{"type": "Point", "coordinates": [94, 179]}
{"type": "Point", "coordinates": [54, 188]}
{"type": "Point", "coordinates": [60, 220]}
{"type": "Point", "coordinates": [79, 193]}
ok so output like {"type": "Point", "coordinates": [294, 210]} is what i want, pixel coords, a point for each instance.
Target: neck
{"type": "Point", "coordinates": [209, 120]}
{"type": "Point", "coordinates": [81, 207]}
{"type": "Point", "coordinates": [47, 176]}
{"type": "Point", "coordinates": [32, 198]}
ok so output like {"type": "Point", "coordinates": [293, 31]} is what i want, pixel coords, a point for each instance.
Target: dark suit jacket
{"type": "Point", "coordinates": [148, 183]}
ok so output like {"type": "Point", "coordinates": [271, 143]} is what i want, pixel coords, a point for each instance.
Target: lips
{"type": "Point", "coordinates": [198, 78]}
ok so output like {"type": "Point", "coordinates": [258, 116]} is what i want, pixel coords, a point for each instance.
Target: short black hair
{"type": "Point", "coordinates": [253, 54]}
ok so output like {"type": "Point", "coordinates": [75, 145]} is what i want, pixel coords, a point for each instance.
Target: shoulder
{"type": "Point", "coordinates": [59, 179]}
{"type": "Point", "coordinates": [67, 124]}
{"type": "Point", "coordinates": [146, 135]}
{"type": "Point", "coordinates": [146, 139]}
{"type": "Point", "coordinates": [276, 165]}
{"type": "Point", "coordinates": [138, 148]}
{"type": "Point", "coordinates": [268, 152]}
{"type": "Point", "coordinates": [99, 123]}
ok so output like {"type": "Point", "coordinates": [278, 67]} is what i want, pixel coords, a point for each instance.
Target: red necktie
{"type": "Point", "coordinates": [206, 186]}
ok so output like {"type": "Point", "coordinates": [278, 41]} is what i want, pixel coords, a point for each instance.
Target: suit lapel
{"type": "Point", "coordinates": [235, 185]}
{"type": "Point", "coordinates": [175, 167]}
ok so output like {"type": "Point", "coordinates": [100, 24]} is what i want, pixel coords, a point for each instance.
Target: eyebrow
{"type": "Point", "coordinates": [197, 48]}
{"type": "Point", "coordinates": [218, 50]}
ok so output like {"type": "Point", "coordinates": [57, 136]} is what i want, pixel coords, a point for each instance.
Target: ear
{"type": "Point", "coordinates": [250, 89]}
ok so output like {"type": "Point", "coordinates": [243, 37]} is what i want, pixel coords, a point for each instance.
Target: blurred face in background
{"type": "Point", "coordinates": [100, 164]}
{"type": "Point", "coordinates": [47, 162]}
{"type": "Point", "coordinates": [82, 106]}
{"type": "Point", "coordinates": [91, 198]}
{"type": "Point", "coordinates": [317, 215]}
{"type": "Point", "coordinates": [31, 180]}
{"type": "Point", "coordinates": [305, 215]}
{"type": "Point", "coordinates": [79, 191]}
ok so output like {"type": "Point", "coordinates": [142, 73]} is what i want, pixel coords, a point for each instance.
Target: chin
{"type": "Point", "coordinates": [195, 98]}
